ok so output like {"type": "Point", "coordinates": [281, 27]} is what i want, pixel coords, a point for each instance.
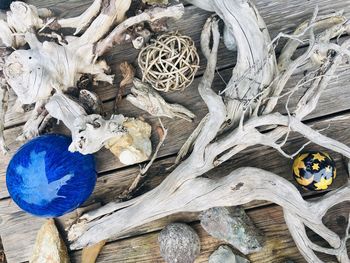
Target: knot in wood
{"type": "Point", "coordinates": [170, 63]}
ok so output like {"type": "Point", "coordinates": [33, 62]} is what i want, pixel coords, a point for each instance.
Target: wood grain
{"type": "Point", "coordinates": [109, 186]}
{"type": "Point", "coordinates": [18, 229]}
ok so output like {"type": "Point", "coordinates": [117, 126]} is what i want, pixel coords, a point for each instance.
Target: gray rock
{"type": "Point", "coordinates": [179, 243]}
{"type": "Point", "coordinates": [224, 254]}
{"type": "Point", "coordinates": [232, 225]}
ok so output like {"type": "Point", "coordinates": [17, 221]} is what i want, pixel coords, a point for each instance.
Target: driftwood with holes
{"type": "Point", "coordinates": [18, 229]}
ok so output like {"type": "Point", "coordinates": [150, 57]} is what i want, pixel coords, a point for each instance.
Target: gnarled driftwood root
{"type": "Point", "coordinates": [237, 119]}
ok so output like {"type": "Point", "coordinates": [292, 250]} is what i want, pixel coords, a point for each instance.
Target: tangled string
{"type": "Point", "coordinates": [170, 63]}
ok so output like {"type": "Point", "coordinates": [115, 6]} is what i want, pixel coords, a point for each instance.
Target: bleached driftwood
{"type": "Point", "coordinates": [236, 120]}
{"type": "Point", "coordinates": [47, 67]}
{"type": "Point", "coordinates": [127, 138]}
{"type": "Point", "coordinates": [148, 99]}
{"type": "Point", "coordinates": [4, 100]}
{"type": "Point", "coordinates": [4, 97]}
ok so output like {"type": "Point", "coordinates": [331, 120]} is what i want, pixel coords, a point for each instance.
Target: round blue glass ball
{"type": "Point", "coordinates": [5, 4]}
{"type": "Point", "coordinates": [45, 179]}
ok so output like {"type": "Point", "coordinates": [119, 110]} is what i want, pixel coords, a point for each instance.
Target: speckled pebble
{"type": "Point", "coordinates": [179, 243]}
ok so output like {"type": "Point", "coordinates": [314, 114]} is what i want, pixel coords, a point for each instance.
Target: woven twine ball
{"type": "Point", "coordinates": [170, 63]}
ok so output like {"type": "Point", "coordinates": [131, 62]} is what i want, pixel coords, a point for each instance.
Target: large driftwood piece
{"type": "Point", "coordinates": [235, 121]}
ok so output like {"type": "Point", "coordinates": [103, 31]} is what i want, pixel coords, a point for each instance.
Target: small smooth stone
{"type": "Point", "coordinates": [232, 225]}
{"type": "Point", "coordinates": [314, 171]}
{"type": "Point", "coordinates": [179, 243]}
{"type": "Point", "coordinates": [224, 254]}
{"type": "Point", "coordinates": [49, 246]}
{"type": "Point", "coordinates": [45, 179]}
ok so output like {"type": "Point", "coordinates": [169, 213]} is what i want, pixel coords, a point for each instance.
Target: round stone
{"type": "Point", "coordinates": [45, 179]}
{"type": "Point", "coordinates": [315, 171]}
{"type": "Point", "coordinates": [179, 243]}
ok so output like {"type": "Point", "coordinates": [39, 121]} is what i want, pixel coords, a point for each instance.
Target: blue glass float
{"type": "Point", "coordinates": [5, 4]}
{"type": "Point", "coordinates": [314, 171]}
{"type": "Point", "coordinates": [45, 179]}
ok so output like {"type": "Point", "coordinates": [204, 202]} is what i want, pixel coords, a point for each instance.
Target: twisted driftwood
{"type": "Point", "coordinates": [237, 119]}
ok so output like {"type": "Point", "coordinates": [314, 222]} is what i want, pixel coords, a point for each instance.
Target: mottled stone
{"type": "Point", "coordinates": [49, 246]}
{"type": "Point", "coordinates": [233, 226]}
{"type": "Point", "coordinates": [179, 243]}
{"type": "Point", "coordinates": [224, 254]}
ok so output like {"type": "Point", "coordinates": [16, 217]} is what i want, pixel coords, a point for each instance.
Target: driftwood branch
{"type": "Point", "coordinates": [4, 97]}
{"type": "Point", "coordinates": [145, 97]}
{"type": "Point", "coordinates": [235, 189]}
{"type": "Point", "coordinates": [237, 119]}
{"type": "Point", "coordinates": [118, 35]}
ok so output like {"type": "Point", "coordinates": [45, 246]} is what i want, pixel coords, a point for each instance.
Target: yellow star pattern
{"type": "Point", "coordinates": [326, 154]}
{"type": "Point", "coordinates": [318, 156]}
{"type": "Point", "coordinates": [323, 184]}
{"type": "Point", "coordinates": [316, 166]}
{"type": "Point", "coordinates": [299, 164]}
{"type": "Point", "coordinates": [305, 182]}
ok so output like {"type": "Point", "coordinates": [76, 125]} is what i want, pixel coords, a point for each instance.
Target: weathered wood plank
{"type": "Point", "coordinates": [334, 99]}
{"type": "Point", "coordinates": [12, 220]}
{"type": "Point", "coordinates": [114, 183]}
{"type": "Point", "coordinates": [279, 245]}
{"type": "Point", "coordinates": [280, 16]}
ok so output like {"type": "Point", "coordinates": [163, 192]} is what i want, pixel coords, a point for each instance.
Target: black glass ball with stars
{"type": "Point", "coordinates": [314, 171]}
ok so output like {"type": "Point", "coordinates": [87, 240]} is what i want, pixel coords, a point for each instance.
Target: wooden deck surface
{"type": "Point", "coordinates": [18, 229]}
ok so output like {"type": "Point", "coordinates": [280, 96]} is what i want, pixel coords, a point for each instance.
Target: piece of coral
{"type": "Point", "coordinates": [127, 138]}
